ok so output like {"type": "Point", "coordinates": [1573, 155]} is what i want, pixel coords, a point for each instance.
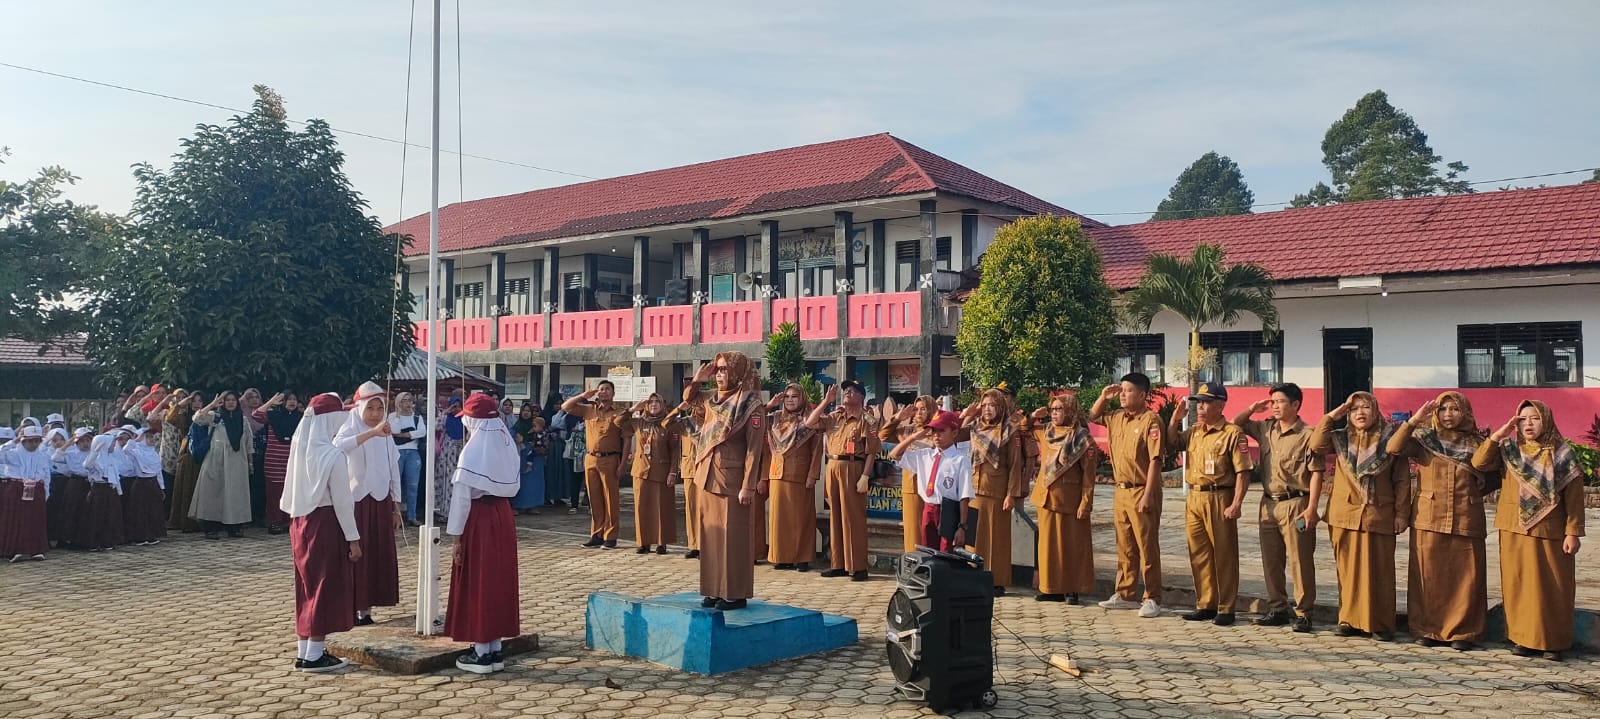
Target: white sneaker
{"type": "Point", "coordinates": [1117, 602]}
{"type": "Point", "coordinates": [1149, 609]}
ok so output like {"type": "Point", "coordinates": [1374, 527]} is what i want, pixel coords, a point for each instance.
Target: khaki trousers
{"type": "Point", "coordinates": [1285, 547]}
{"type": "Point", "coordinates": [1138, 545]}
{"type": "Point", "coordinates": [847, 517]}
{"type": "Point", "coordinates": [605, 496]}
{"type": "Point", "coordinates": [1213, 549]}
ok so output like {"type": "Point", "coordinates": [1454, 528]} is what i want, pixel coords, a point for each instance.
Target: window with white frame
{"type": "Point", "coordinates": [1529, 354]}
{"type": "Point", "coordinates": [469, 300]}
{"type": "Point", "coordinates": [518, 296]}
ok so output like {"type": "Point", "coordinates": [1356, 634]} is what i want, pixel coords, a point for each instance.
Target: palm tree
{"type": "Point", "coordinates": [1203, 290]}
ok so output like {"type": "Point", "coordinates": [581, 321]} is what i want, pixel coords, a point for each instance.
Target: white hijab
{"type": "Point", "coordinates": [102, 464]}
{"type": "Point", "coordinates": [489, 461]}
{"type": "Point", "coordinates": [314, 463]}
{"type": "Point", "coordinates": [371, 461]}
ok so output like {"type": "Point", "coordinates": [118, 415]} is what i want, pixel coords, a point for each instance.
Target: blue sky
{"type": "Point", "coordinates": [1094, 106]}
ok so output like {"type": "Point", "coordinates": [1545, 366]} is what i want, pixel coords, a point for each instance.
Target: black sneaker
{"type": "Point", "coordinates": [802, 567]}
{"type": "Point", "coordinates": [609, 544]}
{"type": "Point", "coordinates": [1223, 620]}
{"type": "Point", "coordinates": [1273, 619]}
{"type": "Point", "coordinates": [325, 663]}
{"type": "Point", "coordinates": [1345, 630]}
{"type": "Point", "coordinates": [835, 572]}
{"type": "Point", "coordinates": [593, 542]}
{"type": "Point", "coordinates": [1523, 651]}
{"type": "Point", "coordinates": [661, 549]}
{"type": "Point", "coordinates": [473, 662]}
{"type": "Point", "coordinates": [1072, 600]}
{"type": "Point", "coordinates": [499, 659]}
{"type": "Point", "coordinates": [1200, 615]}
{"type": "Point", "coordinates": [692, 554]}
{"type": "Point", "coordinates": [727, 606]}
{"type": "Point", "coordinates": [1302, 625]}
{"type": "Point", "coordinates": [781, 566]}
{"type": "Point", "coordinates": [364, 621]}
{"type": "Point", "coordinates": [860, 576]}
{"type": "Point", "coordinates": [999, 591]}
{"type": "Point", "coordinates": [1050, 598]}
{"type": "Point", "coordinates": [642, 550]}
{"type": "Point", "coordinates": [709, 602]}
{"type": "Point", "coordinates": [299, 662]}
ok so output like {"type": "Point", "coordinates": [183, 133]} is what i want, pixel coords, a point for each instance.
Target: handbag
{"type": "Point", "coordinates": [199, 441]}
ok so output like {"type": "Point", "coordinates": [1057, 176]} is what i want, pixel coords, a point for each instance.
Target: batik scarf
{"type": "Point", "coordinates": [989, 440]}
{"type": "Point", "coordinates": [787, 429]}
{"type": "Point", "coordinates": [1367, 454]}
{"type": "Point", "coordinates": [729, 411]}
{"type": "Point", "coordinates": [1543, 468]}
{"type": "Point", "coordinates": [1457, 445]}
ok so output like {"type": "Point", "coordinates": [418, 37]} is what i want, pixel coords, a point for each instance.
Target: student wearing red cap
{"type": "Point", "coordinates": [944, 479]}
{"type": "Point", "coordinates": [322, 533]}
{"type": "Point", "coordinates": [483, 606]}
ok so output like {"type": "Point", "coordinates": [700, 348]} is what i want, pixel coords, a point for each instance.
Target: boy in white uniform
{"type": "Point", "coordinates": [944, 480]}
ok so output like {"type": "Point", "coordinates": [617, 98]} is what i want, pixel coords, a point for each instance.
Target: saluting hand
{"type": "Point", "coordinates": [1426, 410]}
{"type": "Point", "coordinates": [1342, 410]}
{"type": "Point", "coordinates": [833, 394]}
{"type": "Point", "coordinates": [1505, 430]}
{"type": "Point", "coordinates": [1110, 392]}
{"type": "Point", "coordinates": [1260, 406]}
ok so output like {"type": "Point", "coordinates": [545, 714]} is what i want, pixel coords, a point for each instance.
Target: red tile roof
{"type": "Point", "coordinates": [862, 168]}
{"type": "Point", "coordinates": [16, 352]}
{"type": "Point", "coordinates": [1460, 233]}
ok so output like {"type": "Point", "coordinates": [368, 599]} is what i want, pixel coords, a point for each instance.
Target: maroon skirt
{"type": "Point", "coordinates": [99, 523]}
{"type": "Point", "coordinates": [144, 516]}
{"type": "Point", "coordinates": [484, 603]}
{"type": "Point", "coordinates": [378, 572]}
{"type": "Point", "coordinates": [22, 519]}
{"type": "Point", "coordinates": [66, 505]}
{"type": "Point", "coordinates": [324, 580]}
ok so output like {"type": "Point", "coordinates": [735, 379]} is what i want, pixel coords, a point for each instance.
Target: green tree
{"type": "Point", "coordinates": [1375, 152]}
{"type": "Point", "coordinates": [1042, 314]}
{"type": "Point", "coordinates": [1595, 178]}
{"type": "Point", "coordinates": [1201, 290]}
{"type": "Point", "coordinates": [786, 361]}
{"type": "Point", "coordinates": [1212, 186]}
{"type": "Point", "coordinates": [51, 245]}
{"type": "Point", "coordinates": [252, 261]}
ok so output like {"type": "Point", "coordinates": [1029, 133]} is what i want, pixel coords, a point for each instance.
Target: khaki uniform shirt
{"type": "Point", "coordinates": [1346, 509]}
{"type": "Point", "coordinates": [1070, 490]}
{"type": "Point", "coordinates": [1136, 440]}
{"type": "Point", "coordinates": [1216, 454]}
{"type": "Point", "coordinates": [1287, 461]}
{"type": "Point", "coordinates": [602, 430]}
{"type": "Point", "coordinates": [655, 448]}
{"type": "Point", "coordinates": [1449, 497]}
{"type": "Point", "coordinates": [1565, 520]}
{"type": "Point", "coordinates": [845, 435]}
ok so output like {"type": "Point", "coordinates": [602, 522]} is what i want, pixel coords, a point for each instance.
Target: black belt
{"type": "Point", "coordinates": [848, 457]}
{"type": "Point", "coordinates": [606, 454]}
{"type": "Point", "coordinates": [1127, 485]}
{"type": "Point", "coordinates": [1293, 494]}
{"type": "Point", "coordinates": [1213, 487]}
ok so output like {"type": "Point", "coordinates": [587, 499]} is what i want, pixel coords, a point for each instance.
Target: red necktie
{"type": "Point", "coordinates": [933, 474]}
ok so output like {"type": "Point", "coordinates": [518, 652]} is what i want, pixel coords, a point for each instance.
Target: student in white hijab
{"type": "Point", "coordinates": [323, 535]}
{"type": "Point", "coordinates": [99, 525]}
{"type": "Point", "coordinates": [484, 601]}
{"type": "Point", "coordinates": [374, 468]}
{"type": "Point", "coordinates": [23, 494]}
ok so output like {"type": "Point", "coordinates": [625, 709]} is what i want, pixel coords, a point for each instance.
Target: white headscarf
{"type": "Point", "coordinates": [102, 463]}
{"type": "Point", "coordinates": [375, 463]}
{"type": "Point", "coordinates": [314, 463]}
{"type": "Point", "coordinates": [489, 461]}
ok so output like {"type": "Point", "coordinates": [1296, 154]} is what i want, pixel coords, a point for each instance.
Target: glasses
{"type": "Point", "coordinates": [720, 368]}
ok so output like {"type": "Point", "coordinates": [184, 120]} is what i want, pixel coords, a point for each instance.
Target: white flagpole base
{"type": "Point", "coordinates": [430, 621]}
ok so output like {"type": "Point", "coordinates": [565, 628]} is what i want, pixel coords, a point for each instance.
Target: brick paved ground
{"type": "Point", "coordinates": [197, 628]}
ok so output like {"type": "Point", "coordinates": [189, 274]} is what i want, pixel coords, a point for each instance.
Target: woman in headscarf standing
{"type": "Point", "coordinates": [171, 442]}
{"type": "Point", "coordinates": [901, 428]}
{"type": "Point", "coordinates": [1063, 492]}
{"type": "Point", "coordinates": [185, 470]}
{"type": "Point", "coordinates": [222, 492]}
{"type": "Point", "coordinates": [281, 416]}
{"type": "Point", "coordinates": [997, 479]}
{"type": "Point", "coordinates": [374, 467]}
{"type": "Point", "coordinates": [1540, 520]}
{"type": "Point", "coordinates": [483, 607]}
{"type": "Point", "coordinates": [322, 534]}
{"type": "Point", "coordinates": [1447, 590]}
{"type": "Point", "coordinates": [731, 445]}
{"type": "Point", "coordinates": [451, 435]}
{"type": "Point", "coordinates": [250, 400]}
{"type": "Point", "coordinates": [528, 431]}
{"type": "Point", "coordinates": [655, 472]}
{"type": "Point", "coordinates": [796, 453]}
{"type": "Point", "coordinates": [1371, 503]}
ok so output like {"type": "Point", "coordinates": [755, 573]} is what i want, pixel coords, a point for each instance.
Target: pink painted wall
{"type": "Point", "coordinates": [420, 330]}
{"type": "Point", "coordinates": [818, 317]}
{"type": "Point", "coordinates": [672, 325]}
{"type": "Point", "coordinates": [521, 332]}
{"type": "Point", "coordinates": [893, 314]}
{"type": "Point", "coordinates": [467, 335]}
{"type": "Point", "coordinates": [589, 329]}
{"type": "Point", "coordinates": [731, 322]}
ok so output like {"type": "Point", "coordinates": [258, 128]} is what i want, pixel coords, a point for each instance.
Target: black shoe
{"type": "Point", "coordinates": [1462, 645]}
{"type": "Point", "coordinates": [802, 567]}
{"type": "Point", "coordinates": [692, 554]}
{"type": "Point", "coordinates": [1200, 615]}
{"type": "Point", "coordinates": [780, 566]}
{"type": "Point", "coordinates": [609, 544]}
{"type": "Point", "coordinates": [725, 605]}
{"type": "Point", "coordinates": [998, 591]}
{"type": "Point", "coordinates": [1427, 642]}
{"type": "Point", "coordinates": [325, 663]}
{"type": "Point", "coordinates": [835, 572]}
{"type": "Point", "coordinates": [1273, 619]}
{"type": "Point", "coordinates": [1523, 651]}
{"type": "Point", "coordinates": [364, 621]}
{"type": "Point", "coordinates": [642, 550]}
{"type": "Point", "coordinates": [1552, 656]}
{"type": "Point", "coordinates": [860, 576]}
{"type": "Point", "coordinates": [661, 549]}
{"type": "Point", "coordinates": [298, 662]}
{"type": "Point", "coordinates": [1345, 630]}
{"type": "Point", "coordinates": [1049, 597]}
{"type": "Point", "coordinates": [1223, 620]}
{"type": "Point", "coordinates": [1383, 636]}
{"type": "Point", "coordinates": [1072, 599]}
{"type": "Point", "coordinates": [213, 535]}
{"type": "Point", "coordinates": [235, 533]}
{"type": "Point", "coordinates": [593, 542]}
{"type": "Point", "coordinates": [709, 602]}
{"type": "Point", "coordinates": [475, 663]}
{"type": "Point", "coordinates": [1302, 625]}
{"type": "Point", "coordinates": [499, 659]}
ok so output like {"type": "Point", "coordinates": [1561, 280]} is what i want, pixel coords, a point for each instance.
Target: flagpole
{"type": "Point", "coordinates": [428, 620]}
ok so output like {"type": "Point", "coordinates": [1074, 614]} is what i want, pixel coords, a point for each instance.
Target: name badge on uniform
{"type": "Point", "coordinates": [27, 490]}
{"type": "Point", "coordinates": [1211, 464]}
{"type": "Point", "coordinates": [776, 470]}
{"type": "Point", "coordinates": [645, 449]}
{"type": "Point", "coordinates": [850, 446]}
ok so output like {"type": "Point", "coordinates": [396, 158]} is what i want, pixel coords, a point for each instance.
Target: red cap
{"type": "Point", "coordinates": [945, 419]}
{"type": "Point", "coordinates": [482, 406]}
{"type": "Point", "coordinates": [326, 403]}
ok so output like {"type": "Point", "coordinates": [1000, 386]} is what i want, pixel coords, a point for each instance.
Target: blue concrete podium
{"type": "Point", "coordinates": [675, 631]}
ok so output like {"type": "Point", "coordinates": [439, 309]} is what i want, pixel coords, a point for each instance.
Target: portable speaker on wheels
{"type": "Point", "coordinates": [939, 630]}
